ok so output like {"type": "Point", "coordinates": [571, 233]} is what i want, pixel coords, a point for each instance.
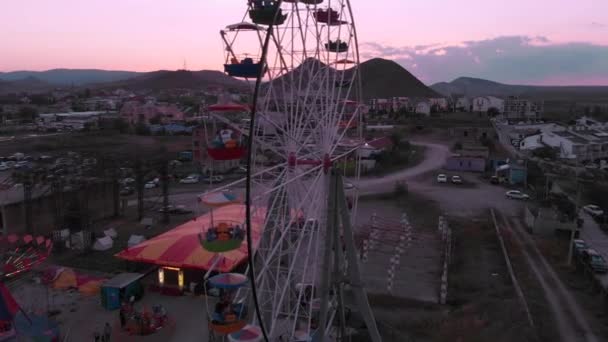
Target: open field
{"type": "Point", "coordinates": [99, 142]}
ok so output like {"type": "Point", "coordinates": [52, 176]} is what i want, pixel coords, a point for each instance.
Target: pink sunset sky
{"type": "Point", "coordinates": [516, 41]}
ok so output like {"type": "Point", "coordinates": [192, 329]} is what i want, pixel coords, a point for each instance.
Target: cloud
{"type": "Point", "coordinates": [508, 59]}
{"type": "Point", "coordinates": [597, 25]}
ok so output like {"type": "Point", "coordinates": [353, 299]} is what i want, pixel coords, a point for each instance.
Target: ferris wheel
{"type": "Point", "coordinates": [301, 141]}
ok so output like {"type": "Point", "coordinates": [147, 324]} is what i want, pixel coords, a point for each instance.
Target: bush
{"type": "Point", "coordinates": [401, 189]}
{"type": "Point", "coordinates": [142, 129]}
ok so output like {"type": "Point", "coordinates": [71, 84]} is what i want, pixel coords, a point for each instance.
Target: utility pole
{"type": "Point", "coordinates": [139, 187]}
{"type": "Point", "coordinates": [164, 174]}
{"type": "Point", "coordinates": [27, 198]}
{"type": "Point", "coordinates": [576, 211]}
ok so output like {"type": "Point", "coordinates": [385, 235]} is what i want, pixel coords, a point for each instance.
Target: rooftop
{"type": "Point", "coordinates": [574, 138]}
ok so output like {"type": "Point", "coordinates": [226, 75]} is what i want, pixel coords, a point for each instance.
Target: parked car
{"type": "Point", "coordinates": [348, 186]}
{"type": "Point", "coordinates": [494, 180]}
{"type": "Point", "coordinates": [441, 178]}
{"type": "Point", "coordinates": [4, 167]}
{"type": "Point", "coordinates": [21, 164]}
{"type": "Point", "coordinates": [127, 181]}
{"type": "Point", "coordinates": [456, 180]}
{"type": "Point", "coordinates": [578, 247]}
{"type": "Point", "coordinates": [214, 179]}
{"type": "Point", "coordinates": [150, 185]}
{"type": "Point", "coordinates": [516, 194]}
{"type": "Point", "coordinates": [126, 191]}
{"type": "Point", "coordinates": [191, 179]}
{"type": "Point", "coordinates": [175, 210]}
{"type": "Point", "coordinates": [594, 260]}
{"type": "Point", "coordinates": [593, 210]}
{"type": "Point", "coordinates": [241, 170]}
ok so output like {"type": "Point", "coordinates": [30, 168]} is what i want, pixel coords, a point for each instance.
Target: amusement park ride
{"type": "Point", "coordinates": [305, 118]}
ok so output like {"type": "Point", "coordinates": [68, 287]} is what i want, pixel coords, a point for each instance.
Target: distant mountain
{"type": "Point", "coordinates": [70, 76]}
{"type": "Point", "coordinates": [383, 78]}
{"type": "Point", "coordinates": [380, 79]}
{"type": "Point", "coordinates": [468, 86]}
{"type": "Point", "coordinates": [163, 79]}
{"type": "Point", "coordinates": [28, 84]}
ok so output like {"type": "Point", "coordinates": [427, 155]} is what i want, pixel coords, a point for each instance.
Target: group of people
{"type": "Point", "coordinates": [224, 232]}
{"type": "Point", "coordinates": [227, 312]}
{"type": "Point", "coordinates": [142, 323]}
{"type": "Point", "coordinates": [105, 335]}
{"type": "Point", "coordinates": [226, 137]}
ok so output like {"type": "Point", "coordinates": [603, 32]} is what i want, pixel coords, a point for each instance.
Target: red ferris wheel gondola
{"type": "Point", "coordinates": [227, 145]}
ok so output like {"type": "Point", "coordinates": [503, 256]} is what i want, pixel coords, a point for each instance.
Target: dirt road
{"type": "Point", "coordinates": [434, 158]}
{"type": "Point", "coordinates": [571, 321]}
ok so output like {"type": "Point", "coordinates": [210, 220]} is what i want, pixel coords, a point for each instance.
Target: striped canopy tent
{"type": "Point", "coordinates": [180, 247]}
{"type": "Point", "coordinates": [219, 199]}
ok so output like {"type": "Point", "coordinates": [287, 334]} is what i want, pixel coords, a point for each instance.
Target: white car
{"type": "Point", "coordinates": [4, 167]}
{"type": "Point", "coordinates": [191, 179]}
{"type": "Point", "coordinates": [593, 210]}
{"type": "Point", "coordinates": [456, 180]}
{"type": "Point", "coordinates": [441, 178]}
{"type": "Point", "coordinates": [150, 185]}
{"type": "Point", "coordinates": [348, 186]}
{"type": "Point", "coordinates": [214, 179]}
{"type": "Point", "coordinates": [516, 194]}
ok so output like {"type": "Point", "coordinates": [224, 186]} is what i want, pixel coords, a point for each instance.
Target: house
{"type": "Point", "coordinates": [377, 105]}
{"type": "Point", "coordinates": [136, 112]}
{"type": "Point", "coordinates": [374, 147]}
{"type": "Point", "coordinates": [440, 104]}
{"type": "Point", "coordinates": [522, 109]}
{"type": "Point", "coordinates": [459, 162]}
{"type": "Point", "coordinates": [423, 107]}
{"type": "Point", "coordinates": [483, 104]}
{"type": "Point", "coordinates": [473, 133]}
{"type": "Point", "coordinates": [463, 104]}
{"type": "Point", "coordinates": [513, 172]}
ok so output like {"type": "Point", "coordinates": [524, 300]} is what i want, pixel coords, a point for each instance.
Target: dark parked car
{"type": "Point", "coordinates": [595, 261]}
{"type": "Point", "coordinates": [579, 246]}
{"type": "Point", "coordinates": [126, 191]}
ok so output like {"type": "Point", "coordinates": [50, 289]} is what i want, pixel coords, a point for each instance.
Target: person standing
{"type": "Point", "coordinates": [107, 332]}
{"type": "Point", "coordinates": [96, 336]}
{"type": "Point", "coordinates": [122, 317]}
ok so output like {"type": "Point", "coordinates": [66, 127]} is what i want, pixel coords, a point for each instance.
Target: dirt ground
{"type": "Point", "coordinates": [80, 316]}
{"type": "Point", "coordinates": [418, 274]}
{"type": "Point", "coordinates": [482, 304]}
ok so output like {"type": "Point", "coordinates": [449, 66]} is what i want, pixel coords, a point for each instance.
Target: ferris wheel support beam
{"type": "Point", "coordinates": [353, 274]}
{"type": "Point", "coordinates": [333, 275]}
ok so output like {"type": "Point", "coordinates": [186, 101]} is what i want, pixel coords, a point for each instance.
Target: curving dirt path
{"type": "Point", "coordinates": [434, 158]}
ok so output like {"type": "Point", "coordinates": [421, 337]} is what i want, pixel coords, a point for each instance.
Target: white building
{"type": "Point", "coordinates": [521, 109]}
{"type": "Point", "coordinates": [463, 104]}
{"type": "Point", "coordinates": [484, 103]}
{"type": "Point", "coordinates": [577, 144]}
{"type": "Point", "coordinates": [440, 102]}
{"type": "Point", "coordinates": [423, 107]}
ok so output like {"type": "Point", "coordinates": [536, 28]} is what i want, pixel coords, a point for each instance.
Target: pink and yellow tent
{"type": "Point", "coordinates": [180, 247]}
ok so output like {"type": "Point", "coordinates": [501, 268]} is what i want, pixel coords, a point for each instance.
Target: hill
{"type": "Point", "coordinates": [181, 79]}
{"type": "Point", "coordinates": [70, 76]}
{"type": "Point", "coordinates": [380, 78]}
{"type": "Point", "coordinates": [28, 84]}
{"type": "Point", "coordinates": [383, 78]}
{"type": "Point", "coordinates": [471, 87]}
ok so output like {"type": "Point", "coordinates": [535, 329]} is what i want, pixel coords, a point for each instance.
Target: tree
{"type": "Point", "coordinates": [27, 114]}
{"type": "Point", "coordinates": [493, 111]}
{"type": "Point", "coordinates": [545, 152]}
{"type": "Point", "coordinates": [156, 120]}
{"type": "Point", "coordinates": [142, 129]}
{"type": "Point", "coordinates": [121, 125]}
